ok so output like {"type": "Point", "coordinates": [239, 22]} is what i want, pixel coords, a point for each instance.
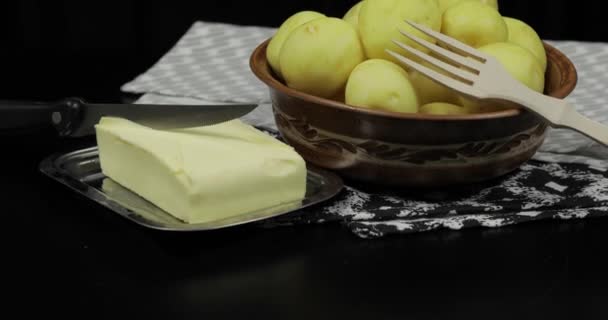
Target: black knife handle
{"type": "Point", "coordinates": [67, 115]}
{"type": "Point", "coordinates": [16, 116]}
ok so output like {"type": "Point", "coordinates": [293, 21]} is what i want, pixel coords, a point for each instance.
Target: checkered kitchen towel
{"type": "Point", "coordinates": [210, 62]}
{"type": "Point", "coordinates": [566, 179]}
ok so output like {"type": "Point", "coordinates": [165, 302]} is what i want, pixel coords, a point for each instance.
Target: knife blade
{"type": "Point", "coordinates": [73, 117]}
{"type": "Point", "coordinates": [157, 116]}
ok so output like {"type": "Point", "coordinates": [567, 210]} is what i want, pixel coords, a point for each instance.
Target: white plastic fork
{"type": "Point", "coordinates": [478, 75]}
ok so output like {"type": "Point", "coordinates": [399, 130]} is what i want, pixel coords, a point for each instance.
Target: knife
{"type": "Point", "coordinates": [74, 117]}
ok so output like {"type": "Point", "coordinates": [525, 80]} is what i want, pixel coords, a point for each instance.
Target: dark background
{"type": "Point", "coordinates": [79, 47]}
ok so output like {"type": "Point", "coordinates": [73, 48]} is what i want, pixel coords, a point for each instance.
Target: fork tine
{"type": "Point", "coordinates": [455, 58]}
{"type": "Point", "coordinates": [454, 71]}
{"type": "Point", "coordinates": [453, 43]}
{"type": "Point", "coordinates": [436, 76]}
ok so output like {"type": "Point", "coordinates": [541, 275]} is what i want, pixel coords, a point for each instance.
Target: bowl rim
{"type": "Point", "coordinates": [259, 65]}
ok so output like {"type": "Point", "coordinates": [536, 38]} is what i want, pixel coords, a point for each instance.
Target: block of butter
{"type": "Point", "coordinates": [202, 174]}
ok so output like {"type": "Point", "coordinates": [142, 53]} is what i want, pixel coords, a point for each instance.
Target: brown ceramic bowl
{"type": "Point", "coordinates": [410, 150]}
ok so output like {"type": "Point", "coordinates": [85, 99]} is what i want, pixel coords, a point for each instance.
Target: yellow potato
{"type": "Point", "coordinates": [276, 43]}
{"type": "Point", "coordinates": [380, 21]}
{"type": "Point", "coordinates": [381, 84]}
{"type": "Point", "coordinates": [474, 23]}
{"type": "Point", "coordinates": [520, 63]}
{"type": "Point", "coordinates": [429, 91]}
{"type": "Point", "coordinates": [524, 35]}
{"type": "Point", "coordinates": [318, 56]}
{"type": "Point", "coordinates": [442, 108]}
{"type": "Point", "coordinates": [445, 4]}
{"type": "Point", "coordinates": [352, 15]}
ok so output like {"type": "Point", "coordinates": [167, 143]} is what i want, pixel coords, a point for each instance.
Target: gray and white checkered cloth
{"type": "Point", "coordinates": [210, 63]}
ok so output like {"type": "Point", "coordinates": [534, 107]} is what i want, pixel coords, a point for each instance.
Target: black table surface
{"type": "Point", "coordinates": [71, 256]}
{"type": "Point", "coordinates": [65, 255]}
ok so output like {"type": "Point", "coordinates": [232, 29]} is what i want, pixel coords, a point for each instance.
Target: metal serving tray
{"type": "Point", "coordinates": [81, 172]}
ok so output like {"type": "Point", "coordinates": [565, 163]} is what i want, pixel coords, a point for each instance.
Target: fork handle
{"type": "Point", "coordinates": [572, 119]}
{"type": "Point", "coordinates": [559, 113]}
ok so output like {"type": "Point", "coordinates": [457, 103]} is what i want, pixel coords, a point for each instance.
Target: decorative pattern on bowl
{"type": "Point", "coordinates": [301, 132]}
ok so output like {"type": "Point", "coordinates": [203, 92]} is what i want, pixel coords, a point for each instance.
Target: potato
{"type": "Point", "coordinates": [520, 63]}
{"type": "Point", "coordinates": [429, 91]}
{"type": "Point", "coordinates": [474, 23]}
{"type": "Point", "coordinates": [381, 84]}
{"type": "Point", "coordinates": [276, 43]}
{"type": "Point", "coordinates": [318, 56]}
{"type": "Point", "coordinates": [380, 21]}
{"type": "Point", "coordinates": [524, 35]}
{"type": "Point", "coordinates": [352, 15]}
{"type": "Point", "coordinates": [442, 108]}
{"type": "Point", "coordinates": [445, 4]}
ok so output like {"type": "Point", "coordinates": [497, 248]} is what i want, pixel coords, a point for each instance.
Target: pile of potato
{"type": "Point", "coordinates": [345, 59]}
